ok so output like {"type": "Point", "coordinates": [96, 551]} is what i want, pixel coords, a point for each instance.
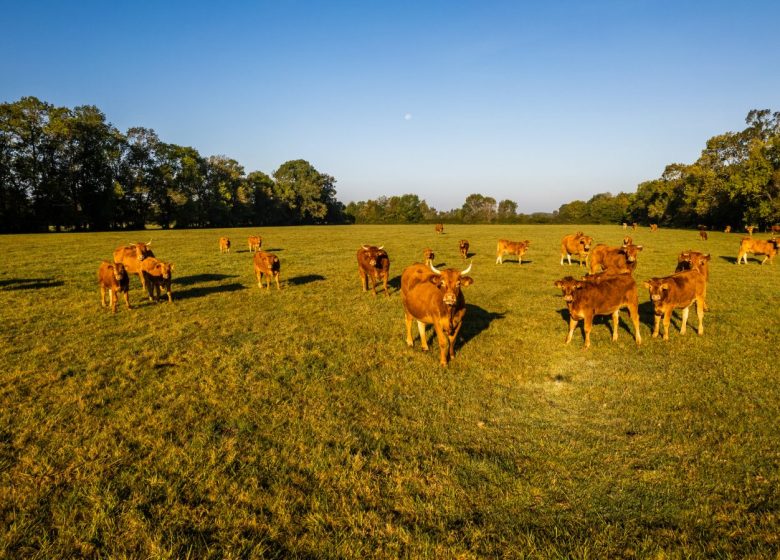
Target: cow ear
{"type": "Point", "coordinates": [638, 247]}
{"type": "Point", "coordinates": [647, 284]}
{"type": "Point", "coordinates": [466, 281]}
{"type": "Point", "coordinates": [579, 285]}
{"type": "Point", "coordinates": [665, 286]}
{"type": "Point", "coordinates": [557, 284]}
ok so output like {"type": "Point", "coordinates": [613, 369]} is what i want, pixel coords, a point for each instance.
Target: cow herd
{"type": "Point", "coordinates": [431, 296]}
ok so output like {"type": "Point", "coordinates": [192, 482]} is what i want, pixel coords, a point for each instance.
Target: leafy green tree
{"type": "Point", "coordinates": [478, 209]}
{"type": "Point", "coordinates": [507, 211]}
{"type": "Point", "coordinates": [305, 195]}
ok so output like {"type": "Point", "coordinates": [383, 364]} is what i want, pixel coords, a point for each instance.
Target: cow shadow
{"type": "Point", "coordinates": [395, 283]}
{"type": "Point", "coordinates": [272, 250]}
{"type": "Point", "coordinates": [199, 278]}
{"type": "Point", "coordinates": [475, 321]}
{"type": "Point", "coordinates": [624, 321]}
{"type": "Point", "coordinates": [731, 260]}
{"type": "Point", "coordinates": [29, 283]}
{"type": "Point", "coordinates": [201, 291]}
{"type": "Point", "coordinates": [305, 279]}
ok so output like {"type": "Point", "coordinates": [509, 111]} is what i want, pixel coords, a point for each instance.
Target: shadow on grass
{"type": "Point", "coordinates": [732, 260]}
{"type": "Point", "coordinates": [199, 278]}
{"type": "Point", "coordinates": [475, 321]}
{"type": "Point", "coordinates": [306, 279]}
{"type": "Point", "coordinates": [394, 283]}
{"type": "Point", "coordinates": [29, 283]}
{"type": "Point", "coordinates": [624, 321]}
{"type": "Point", "coordinates": [202, 291]}
{"type": "Point", "coordinates": [514, 261]}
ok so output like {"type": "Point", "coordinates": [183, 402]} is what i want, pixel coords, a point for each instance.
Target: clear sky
{"type": "Point", "coordinates": [539, 102]}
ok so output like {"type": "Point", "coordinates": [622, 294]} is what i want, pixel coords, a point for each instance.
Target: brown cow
{"type": "Point", "coordinates": [625, 226]}
{"type": "Point", "coordinates": [614, 259]}
{"type": "Point", "coordinates": [268, 264]}
{"type": "Point", "coordinates": [439, 228]}
{"type": "Point", "coordinates": [727, 229]}
{"type": "Point", "coordinates": [775, 229]}
{"type": "Point", "coordinates": [224, 245]}
{"type": "Point", "coordinates": [434, 297]}
{"type": "Point", "coordinates": [131, 256]}
{"type": "Point", "coordinates": [373, 263]}
{"type": "Point", "coordinates": [677, 291]}
{"type": "Point", "coordinates": [694, 260]}
{"type": "Point", "coordinates": [428, 256]}
{"type": "Point", "coordinates": [157, 275]}
{"type": "Point", "coordinates": [703, 235]}
{"type": "Point", "coordinates": [634, 225]}
{"type": "Point", "coordinates": [112, 277]}
{"type": "Point", "coordinates": [576, 243]}
{"type": "Point", "coordinates": [758, 247]}
{"type": "Point", "coordinates": [463, 247]}
{"type": "Point", "coordinates": [750, 230]}
{"type": "Point", "coordinates": [254, 242]}
{"type": "Point", "coordinates": [600, 295]}
{"type": "Point", "coordinates": [628, 240]}
{"type": "Point", "coordinates": [506, 247]}
{"type": "Point", "coordinates": [653, 228]}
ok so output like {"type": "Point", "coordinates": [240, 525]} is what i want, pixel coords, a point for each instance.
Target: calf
{"type": "Point", "coordinates": [614, 260]}
{"type": "Point", "coordinates": [576, 243]}
{"type": "Point", "coordinates": [634, 225]}
{"type": "Point", "coordinates": [439, 228]}
{"type": "Point", "coordinates": [506, 247]}
{"type": "Point", "coordinates": [463, 247]}
{"type": "Point", "coordinates": [653, 228]}
{"type": "Point", "coordinates": [131, 256]}
{"type": "Point", "coordinates": [157, 275]}
{"type": "Point", "coordinates": [625, 226]}
{"type": "Point", "coordinates": [600, 295]}
{"type": "Point", "coordinates": [224, 245]}
{"type": "Point", "coordinates": [254, 242]}
{"type": "Point", "coordinates": [113, 278]}
{"type": "Point", "coordinates": [750, 230]}
{"type": "Point", "coordinates": [727, 229]}
{"type": "Point", "coordinates": [759, 247]}
{"type": "Point", "coordinates": [433, 297]}
{"type": "Point", "coordinates": [428, 256]}
{"type": "Point", "coordinates": [267, 264]}
{"type": "Point", "coordinates": [693, 260]}
{"type": "Point", "coordinates": [775, 229]}
{"type": "Point", "coordinates": [677, 291]}
{"type": "Point", "coordinates": [373, 263]}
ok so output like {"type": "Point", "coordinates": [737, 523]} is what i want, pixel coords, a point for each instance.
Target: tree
{"type": "Point", "coordinates": [507, 211]}
{"type": "Point", "coordinates": [306, 195]}
{"type": "Point", "coordinates": [478, 209]}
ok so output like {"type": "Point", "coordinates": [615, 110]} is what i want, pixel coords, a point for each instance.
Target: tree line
{"type": "Point", "coordinates": [68, 169]}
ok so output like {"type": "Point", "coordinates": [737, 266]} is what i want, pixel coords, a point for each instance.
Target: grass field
{"type": "Point", "coordinates": [240, 423]}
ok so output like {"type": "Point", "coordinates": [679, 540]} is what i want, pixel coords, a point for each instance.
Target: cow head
{"type": "Point", "coordinates": [142, 250]}
{"type": "Point", "coordinates": [658, 288]}
{"type": "Point", "coordinates": [374, 255]}
{"type": "Point", "coordinates": [119, 272]}
{"type": "Point", "coordinates": [163, 270]}
{"type": "Point", "coordinates": [631, 252]}
{"type": "Point", "coordinates": [463, 244]}
{"type": "Point", "coordinates": [584, 241]}
{"type": "Point", "coordinates": [569, 285]}
{"type": "Point", "coordinates": [627, 241]}
{"type": "Point", "coordinates": [450, 281]}
{"type": "Point", "coordinates": [428, 254]}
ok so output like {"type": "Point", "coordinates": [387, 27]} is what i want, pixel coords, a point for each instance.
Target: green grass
{"type": "Point", "coordinates": [240, 423]}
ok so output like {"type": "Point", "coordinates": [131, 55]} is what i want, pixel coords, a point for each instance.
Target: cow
{"type": "Point", "coordinates": [614, 259]}
{"type": "Point", "coordinates": [132, 256]}
{"type": "Point", "coordinates": [428, 256]}
{"type": "Point", "coordinates": [439, 228]}
{"type": "Point", "coordinates": [628, 240]}
{"type": "Point", "coordinates": [578, 243]}
{"type": "Point", "coordinates": [434, 297]}
{"type": "Point", "coordinates": [463, 247]}
{"type": "Point", "coordinates": [373, 263]}
{"type": "Point", "coordinates": [703, 235]}
{"type": "Point", "coordinates": [759, 247]}
{"type": "Point", "coordinates": [727, 229]}
{"type": "Point", "coordinates": [506, 247]}
{"type": "Point", "coordinates": [634, 225]}
{"type": "Point", "coordinates": [267, 264]}
{"type": "Point", "coordinates": [694, 260]}
{"type": "Point", "coordinates": [677, 291]}
{"type": "Point", "coordinates": [653, 228]}
{"type": "Point", "coordinates": [254, 242]}
{"type": "Point", "coordinates": [600, 295]}
{"type": "Point", "coordinates": [625, 226]}
{"type": "Point", "coordinates": [224, 245]}
{"type": "Point", "coordinates": [113, 278]}
{"type": "Point", "coordinates": [157, 275]}
{"type": "Point", "coordinates": [775, 229]}
{"type": "Point", "coordinates": [750, 230]}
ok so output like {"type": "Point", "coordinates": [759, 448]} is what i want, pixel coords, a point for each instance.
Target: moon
{"type": "Point", "coordinates": [407, 116]}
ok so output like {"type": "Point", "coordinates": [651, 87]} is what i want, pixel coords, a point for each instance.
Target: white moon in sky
{"type": "Point", "coordinates": [408, 117]}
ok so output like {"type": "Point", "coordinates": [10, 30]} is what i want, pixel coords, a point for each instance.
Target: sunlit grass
{"type": "Point", "coordinates": [237, 422]}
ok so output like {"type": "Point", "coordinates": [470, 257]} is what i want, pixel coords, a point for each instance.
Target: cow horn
{"type": "Point", "coordinates": [365, 247]}
{"type": "Point", "coordinates": [468, 269]}
{"type": "Point", "coordinates": [150, 242]}
{"type": "Point", "coordinates": [433, 268]}
{"type": "Point", "coordinates": [381, 247]}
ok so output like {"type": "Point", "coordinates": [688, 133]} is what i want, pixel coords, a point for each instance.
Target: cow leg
{"type": "Point", "coordinates": [656, 325]}
{"type": "Point", "coordinates": [442, 338]}
{"type": "Point", "coordinates": [112, 299]}
{"type": "Point", "coordinates": [700, 307]}
{"type": "Point", "coordinates": [633, 312]}
{"type": "Point", "coordinates": [408, 323]}
{"type": "Point", "coordinates": [102, 296]}
{"type": "Point", "coordinates": [363, 279]}
{"type": "Point", "coordinates": [423, 339]}
{"type": "Point", "coordinates": [276, 277]}
{"type": "Point", "coordinates": [519, 259]}
{"type": "Point", "coordinates": [667, 322]}
{"type": "Point", "coordinates": [127, 299]}
{"type": "Point", "coordinates": [568, 257]}
{"type": "Point", "coordinates": [452, 340]}
{"type": "Point", "coordinates": [765, 259]}
{"type": "Point", "coordinates": [684, 319]}
{"type": "Point", "coordinates": [572, 325]}
{"type": "Point", "coordinates": [615, 321]}
{"type": "Point", "coordinates": [498, 259]}
{"type": "Point", "coordinates": [384, 282]}
{"type": "Point", "coordinates": [588, 327]}
{"type": "Point", "coordinates": [168, 291]}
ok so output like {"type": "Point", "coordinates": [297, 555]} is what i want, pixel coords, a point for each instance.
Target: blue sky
{"type": "Point", "coordinates": [538, 102]}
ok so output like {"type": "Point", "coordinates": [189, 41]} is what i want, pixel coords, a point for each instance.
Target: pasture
{"type": "Point", "coordinates": [243, 423]}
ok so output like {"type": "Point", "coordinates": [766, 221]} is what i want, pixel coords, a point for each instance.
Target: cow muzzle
{"type": "Point", "coordinates": [450, 299]}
